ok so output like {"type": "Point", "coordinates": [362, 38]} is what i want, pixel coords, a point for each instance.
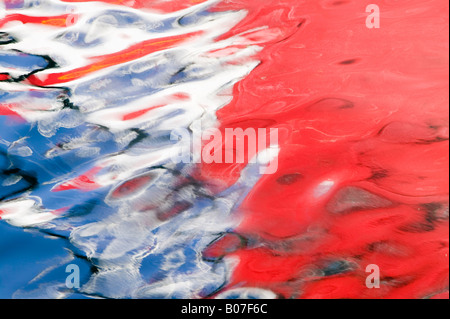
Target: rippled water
{"type": "Point", "coordinates": [91, 91]}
